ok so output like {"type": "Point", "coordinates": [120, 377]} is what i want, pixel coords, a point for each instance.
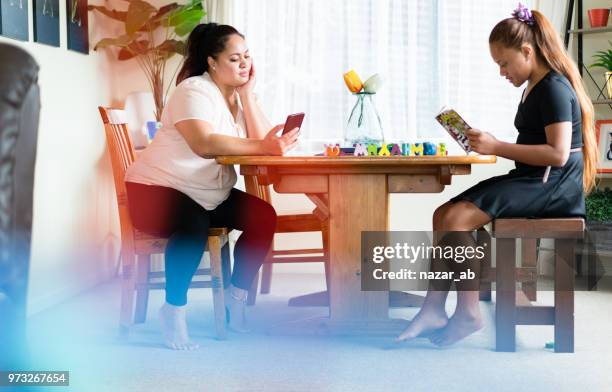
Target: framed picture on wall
{"type": "Point", "coordinates": [76, 25]}
{"type": "Point", "coordinates": [603, 129]}
{"type": "Point", "coordinates": [46, 22]}
{"type": "Point", "coordinates": [14, 19]}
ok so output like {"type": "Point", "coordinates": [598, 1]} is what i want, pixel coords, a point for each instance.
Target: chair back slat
{"type": "Point", "coordinates": [122, 156]}
{"type": "Point", "coordinates": [123, 144]}
{"type": "Point", "coordinates": [119, 144]}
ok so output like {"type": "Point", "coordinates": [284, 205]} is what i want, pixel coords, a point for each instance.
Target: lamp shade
{"type": "Point", "coordinates": [140, 108]}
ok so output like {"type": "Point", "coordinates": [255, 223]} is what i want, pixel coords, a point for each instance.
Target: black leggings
{"type": "Point", "coordinates": [166, 212]}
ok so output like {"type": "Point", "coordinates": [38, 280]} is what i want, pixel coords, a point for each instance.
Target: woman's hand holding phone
{"type": "Point", "coordinates": [279, 145]}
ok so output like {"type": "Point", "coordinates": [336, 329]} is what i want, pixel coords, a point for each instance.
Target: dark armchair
{"type": "Point", "coordinates": [19, 114]}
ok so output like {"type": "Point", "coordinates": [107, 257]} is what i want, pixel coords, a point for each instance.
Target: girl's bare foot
{"type": "Point", "coordinates": [459, 326]}
{"type": "Point", "coordinates": [424, 323]}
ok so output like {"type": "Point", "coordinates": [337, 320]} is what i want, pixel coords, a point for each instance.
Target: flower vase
{"type": "Point", "coordinates": [364, 125]}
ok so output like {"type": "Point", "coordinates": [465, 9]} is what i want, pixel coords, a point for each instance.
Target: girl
{"type": "Point", "coordinates": [176, 189]}
{"type": "Point", "coordinates": [555, 159]}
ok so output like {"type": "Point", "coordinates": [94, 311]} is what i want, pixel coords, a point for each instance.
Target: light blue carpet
{"type": "Point", "coordinates": [81, 336]}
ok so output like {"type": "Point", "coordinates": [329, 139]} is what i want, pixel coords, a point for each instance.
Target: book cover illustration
{"type": "Point", "coordinates": [456, 127]}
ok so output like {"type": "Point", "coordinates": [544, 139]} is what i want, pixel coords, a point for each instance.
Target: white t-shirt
{"type": "Point", "coordinates": [168, 161]}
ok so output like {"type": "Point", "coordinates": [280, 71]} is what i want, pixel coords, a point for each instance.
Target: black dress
{"type": "Point", "coordinates": [521, 192]}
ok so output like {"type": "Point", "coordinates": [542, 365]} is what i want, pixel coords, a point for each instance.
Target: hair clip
{"type": "Point", "coordinates": [523, 14]}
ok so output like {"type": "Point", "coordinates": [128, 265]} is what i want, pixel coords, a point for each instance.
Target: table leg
{"type": "Point", "coordinates": [351, 201]}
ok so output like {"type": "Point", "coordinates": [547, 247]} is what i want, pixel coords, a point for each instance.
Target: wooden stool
{"type": "Point", "coordinates": [528, 276]}
{"type": "Point", "coordinates": [508, 315]}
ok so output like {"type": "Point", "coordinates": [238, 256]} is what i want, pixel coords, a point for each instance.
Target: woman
{"type": "Point", "coordinates": [555, 157]}
{"type": "Point", "coordinates": [176, 189]}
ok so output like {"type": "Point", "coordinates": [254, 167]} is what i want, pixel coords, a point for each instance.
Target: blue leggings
{"type": "Point", "coordinates": [166, 212]}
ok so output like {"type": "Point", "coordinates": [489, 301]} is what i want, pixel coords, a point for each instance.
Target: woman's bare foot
{"type": "Point", "coordinates": [235, 308]}
{"type": "Point", "coordinates": [425, 322]}
{"type": "Point", "coordinates": [459, 326]}
{"type": "Point", "coordinates": [174, 327]}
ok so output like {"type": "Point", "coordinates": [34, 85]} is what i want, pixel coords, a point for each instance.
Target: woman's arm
{"type": "Point", "coordinates": [256, 121]}
{"type": "Point", "coordinates": [554, 153]}
{"type": "Point", "coordinates": [204, 142]}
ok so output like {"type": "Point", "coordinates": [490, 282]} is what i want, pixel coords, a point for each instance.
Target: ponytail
{"type": "Point", "coordinates": [206, 40]}
{"type": "Point", "coordinates": [512, 33]}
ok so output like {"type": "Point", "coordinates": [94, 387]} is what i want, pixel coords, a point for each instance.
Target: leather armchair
{"type": "Point", "coordinates": [19, 116]}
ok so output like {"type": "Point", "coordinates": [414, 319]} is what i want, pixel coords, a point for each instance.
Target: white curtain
{"type": "Point", "coordinates": [429, 53]}
{"type": "Point", "coordinates": [555, 11]}
{"type": "Point", "coordinates": [218, 11]}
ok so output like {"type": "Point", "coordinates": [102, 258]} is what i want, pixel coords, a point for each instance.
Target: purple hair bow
{"type": "Point", "coordinates": [523, 14]}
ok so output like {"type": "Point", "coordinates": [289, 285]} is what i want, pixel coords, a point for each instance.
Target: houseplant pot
{"type": "Point", "coordinates": [598, 17]}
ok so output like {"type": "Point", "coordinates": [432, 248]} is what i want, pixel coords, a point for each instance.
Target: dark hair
{"type": "Point", "coordinates": [512, 33]}
{"type": "Point", "coordinates": [206, 40]}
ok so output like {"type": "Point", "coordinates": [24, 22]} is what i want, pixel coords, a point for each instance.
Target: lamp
{"type": "Point", "coordinates": [140, 108]}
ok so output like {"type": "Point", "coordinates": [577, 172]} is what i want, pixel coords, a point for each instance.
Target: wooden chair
{"type": "Point", "coordinates": [137, 276]}
{"type": "Point", "coordinates": [514, 308]}
{"type": "Point", "coordinates": [317, 221]}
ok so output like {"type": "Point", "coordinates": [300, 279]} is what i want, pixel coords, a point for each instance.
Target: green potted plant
{"type": "Point", "coordinates": [604, 60]}
{"type": "Point", "coordinates": [599, 222]}
{"type": "Point", "coordinates": [152, 36]}
{"type": "Point", "coordinates": [599, 206]}
{"type": "Point", "coordinates": [599, 212]}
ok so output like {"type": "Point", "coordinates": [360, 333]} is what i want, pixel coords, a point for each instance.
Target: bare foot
{"type": "Point", "coordinates": [425, 322]}
{"type": "Point", "coordinates": [458, 327]}
{"type": "Point", "coordinates": [235, 309]}
{"type": "Point", "coordinates": [174, 328]}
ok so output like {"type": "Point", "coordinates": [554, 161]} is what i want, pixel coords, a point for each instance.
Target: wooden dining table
{"type": "Point", "coordinates": [353, 193]}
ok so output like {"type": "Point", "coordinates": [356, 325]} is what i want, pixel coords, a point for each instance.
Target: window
{"type": "Point", "coordinates": [429, 54]}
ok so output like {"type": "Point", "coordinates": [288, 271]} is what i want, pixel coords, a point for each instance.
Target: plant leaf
{"type": "Point", "coordinates": [164, 11]}
{"type": "Point", "coordinates": [183, 14]}
{"type": "Point", "coordinates": [188, 25]}
{"type": "Point", "coordinates": [138, 15]}
{"type": "Point", "coordinates": [170, 47]}
{"type": "Point", "coordinates": [134, 49]}
{"type": "Point", "coordinates": [121, 41]}
{"type": "Point", "coordinates": [158, 19]}
{"type": "Point", "coordinates": [113, 14]}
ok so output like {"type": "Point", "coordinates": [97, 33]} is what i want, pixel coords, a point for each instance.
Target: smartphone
{"type": "Point", "coordinates": [293, 121]}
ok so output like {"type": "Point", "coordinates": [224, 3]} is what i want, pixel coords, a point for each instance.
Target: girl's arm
{"type": "Point", "coordinates": [204, 142]}
{"type": "Point", "coordinates": [554, 153]}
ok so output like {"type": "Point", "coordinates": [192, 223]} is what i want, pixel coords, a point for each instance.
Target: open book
{"type": "Point", "coordinates": [455, 126]}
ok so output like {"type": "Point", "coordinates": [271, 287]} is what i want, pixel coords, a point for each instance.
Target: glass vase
{"type": "Point", "coordinates": [364, 125]}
